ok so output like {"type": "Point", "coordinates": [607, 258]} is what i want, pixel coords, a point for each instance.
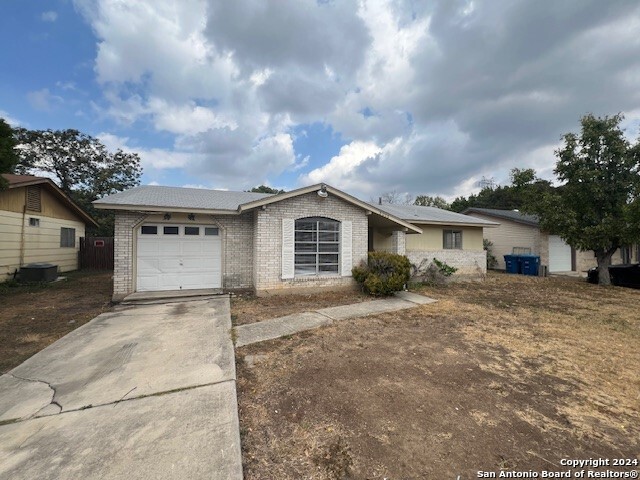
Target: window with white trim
{"type": "Point", "coordinates": [67, 237]}
{"type": "Point", "coordinates": [452, 239]}
{"type": "Point", "coordinates": [317, 246]}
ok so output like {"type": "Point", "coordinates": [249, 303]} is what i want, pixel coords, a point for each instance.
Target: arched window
{"type": "Point", "coordinates": [317, 246]}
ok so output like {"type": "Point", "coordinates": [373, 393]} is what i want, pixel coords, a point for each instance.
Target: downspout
{"type": "Point", "coordinates": [22, 234]}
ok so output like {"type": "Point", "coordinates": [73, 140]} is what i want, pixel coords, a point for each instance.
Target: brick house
{"type": "Point", "coordinates": [169, 238]}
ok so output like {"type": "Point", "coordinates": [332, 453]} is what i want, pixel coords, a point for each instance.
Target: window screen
{"type": "Point", "coordinates": [67, 237]}
{"type": "Point", "coordinates": [317, 246]}
{"type": "Point", "coordinates": [452, 239]}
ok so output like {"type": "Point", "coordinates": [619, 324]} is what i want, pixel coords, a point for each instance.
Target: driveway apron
{"type": "Point", "coordinates": [142, 392]}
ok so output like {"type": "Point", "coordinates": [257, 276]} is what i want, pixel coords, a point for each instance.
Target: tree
{"type": "Point", "coordinates": [524, 190]}
{"type": "Point", "coordinates": [598, 206]}
{"type": "Point", "coordinates": [394, 197]}
{"type": "Point", "coordinates": [81, 166]}
{"type": "Point", "coordinates": [8, 154]}
{"type": "Point", "coordinates": [265, 189]}
{"type": "Point", "coordinates": [429, 201]}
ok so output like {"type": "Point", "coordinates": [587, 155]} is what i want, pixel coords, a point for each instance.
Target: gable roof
{"type": "Point", "coordinates": [195, 200]}
{"type": "Point", "coordinates": [513, 215]}
{"type": "Point", "coordinates": [338, 193]}
{"type": "Point", "coordinates": [19, 181]}
{"type": "Point", "coordinates": [433, 215]}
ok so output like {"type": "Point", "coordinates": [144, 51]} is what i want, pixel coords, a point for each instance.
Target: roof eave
{"type": "Point", "coordinates": [457, 224]}
{"type": "Point", "coordinates": [160, 209]}
{"type": "Point", "coordinates": [503, 217]}
{"type": "Point", "coordinates": [60, 194]}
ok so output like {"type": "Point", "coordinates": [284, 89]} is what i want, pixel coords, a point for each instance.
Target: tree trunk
{"type": "Point", "coordinates": [604, 260]}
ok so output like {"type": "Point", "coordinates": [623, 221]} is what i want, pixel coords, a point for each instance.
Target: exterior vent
{"type": "Point", "coordinates": [34, 199]}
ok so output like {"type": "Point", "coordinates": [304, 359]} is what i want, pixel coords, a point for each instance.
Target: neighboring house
{"type": "Point", "coordinates": [522, 232]}
{"type": "Point", "coordinates": [38, 224]}
{"type": "Point", "coordinates": [169, 238]}
{"type": "Point", "coordinates": [450, 237]}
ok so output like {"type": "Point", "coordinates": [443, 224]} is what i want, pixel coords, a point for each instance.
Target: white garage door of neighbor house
{"type": "Point", "coordinates": [178, 257]}
{"type": "Point", "coordinates": [559, 255]}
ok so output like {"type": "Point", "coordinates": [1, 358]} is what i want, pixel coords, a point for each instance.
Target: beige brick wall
{"type": "Point", "coordinates": [468, 263]}
{"type": "Point", "coordinates": [268, 239]}
{"type": "Point", "coordinates": [123, 253]}
{"type": "Point", "coordinates": [237, 248]}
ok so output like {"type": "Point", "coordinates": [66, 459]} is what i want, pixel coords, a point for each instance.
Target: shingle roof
{"type": "Point", "coordinates": [419, 214]}
{"type": "Point", "coordinates": [513, 215]}
{"type": "Point", "coordinates": [18, 179]}
{"type": "Point", "coordinates": [179, 197]}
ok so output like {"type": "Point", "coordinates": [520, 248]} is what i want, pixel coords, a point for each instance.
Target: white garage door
{"type": "Point", "coordinates": [178, 257]}
{"type": "Point", "coordinates": [559, 255]}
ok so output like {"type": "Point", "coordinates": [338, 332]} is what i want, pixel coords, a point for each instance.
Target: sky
{"type": "Point", "coordinates": [417, 97]}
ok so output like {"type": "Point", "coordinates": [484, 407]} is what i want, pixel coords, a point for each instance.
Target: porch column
{"type": "Point", "coordinates": [398, 242]}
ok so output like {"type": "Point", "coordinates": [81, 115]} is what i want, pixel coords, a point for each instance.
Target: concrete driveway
{"type": "Point", "coordinates": [143, 392]}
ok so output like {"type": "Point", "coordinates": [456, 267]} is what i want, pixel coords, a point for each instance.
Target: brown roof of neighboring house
{"type": "Point", "coordinates": [17, 181]}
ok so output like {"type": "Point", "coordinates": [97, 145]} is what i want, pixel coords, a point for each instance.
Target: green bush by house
{"type": "Point", "coordinates": [384, 273]}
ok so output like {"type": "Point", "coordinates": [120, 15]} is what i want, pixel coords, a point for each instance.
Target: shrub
{"type": "Point", "coordinates": [433, 272]}
{"type": "Point", "coordinates": [446, 270]}
{"type": "Point", "coordinates": [384, 273]}
{"type": "Point", "coordinates": [492, 261]}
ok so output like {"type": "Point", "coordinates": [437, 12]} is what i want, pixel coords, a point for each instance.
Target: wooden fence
{"type": "Point", "coordinates": [96, 253]}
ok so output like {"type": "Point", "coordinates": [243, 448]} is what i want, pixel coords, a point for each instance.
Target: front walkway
{"type": "Point", "coordinates": [299, 322]}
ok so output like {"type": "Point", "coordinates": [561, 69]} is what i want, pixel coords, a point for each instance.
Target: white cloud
{"type": "Point", "coordinates": [429, 96]}
{"type": "Point", "coordinates": [43, 100]}
{"type": "Point", "coordinates": [49, 16]}
{"type": "Point", "coordinates": [14, 122]}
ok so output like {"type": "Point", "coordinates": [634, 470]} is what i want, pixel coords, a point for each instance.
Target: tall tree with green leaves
{"type": "Point", "coordinates": [8, 155]}
{"type": "Point", "coordinates": [265, 189]}
{"type": "Point", "coordinates": [429, 201]}
{"type": "Point", "coordinates": [598, 206]}
{"type": "Point", "coordinates": [81, 166]}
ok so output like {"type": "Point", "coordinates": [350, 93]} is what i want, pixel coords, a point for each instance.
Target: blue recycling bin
{"type": "Point", "coordinates": [530, 264]}
{"type": "Point", "coordinates": [512, 263]}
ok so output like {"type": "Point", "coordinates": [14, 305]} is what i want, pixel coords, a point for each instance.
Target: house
{"type": "Point", "coordinates": [452, 238]}
{"type": "Point", "coordinates": [170, 238]}
{"type": "Point", "coordinates": [39, 223]}
{"type": "Point", "coordinates": [522, 232]}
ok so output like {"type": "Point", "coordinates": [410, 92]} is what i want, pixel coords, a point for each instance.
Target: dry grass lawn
{"type": "Point", "coordinates": [514, 373]}
{"type": "Point", "coordinates": [33, 317]}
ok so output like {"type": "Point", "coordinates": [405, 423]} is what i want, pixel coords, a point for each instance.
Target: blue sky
{"type": "Point", "coordinates": [371, 97]}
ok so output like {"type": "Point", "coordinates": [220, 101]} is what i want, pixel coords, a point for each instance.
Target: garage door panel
{"type": "Point", "coordinates": [169, 247]}
{"type": "Point", "coordinates": [559, 255]}
{"type": "Point", "coordinates": [178, 262]}
{"type": "Point", "coordinates": [148, 282]}
{"type": "Point", "coordinates": [148, 247]}
{"type": "Point", "coordinates": [147, 265]}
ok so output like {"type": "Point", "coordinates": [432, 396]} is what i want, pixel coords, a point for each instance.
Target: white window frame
{"type": "Point", "coordinates": [451, 239]}
{"type": "Point", "coordinates": [67, 237]}
{"type": "Point", "coordinates": [320, 247]}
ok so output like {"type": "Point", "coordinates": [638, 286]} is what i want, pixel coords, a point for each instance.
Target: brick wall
{"type": "Point", "coordinates": [268, 239]}
{"type": "Point", "coordinates": [237, 249]}
{"type": "Point", "coordinates": [398, 242]}
{"type": "Point", "coordinates": [123, 254]}
{"type": "Point", "coordinates": [468, 263]}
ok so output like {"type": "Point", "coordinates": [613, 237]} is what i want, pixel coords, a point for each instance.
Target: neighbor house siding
{"type": "Point", "coordinates": [41, 243]}
{"type": "Point", "coordinates": [511, 234]}
{"type": "Point", "coordinates": [268, 240]}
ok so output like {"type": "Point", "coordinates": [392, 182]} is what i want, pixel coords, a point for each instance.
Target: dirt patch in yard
{"type": "Point", "coordinates": [494, 376]}
{"type": "Point", "coordinates": [249, 309]}
{"type": "Point", "coordinates": [33, 317]}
